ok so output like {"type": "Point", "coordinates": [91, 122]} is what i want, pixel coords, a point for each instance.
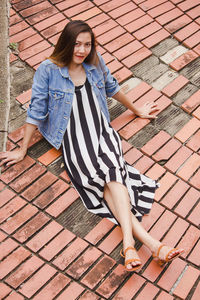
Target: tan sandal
{"type": "Point", "coordinates": [129, 261]}
{"type": "Point", "coordinates": [167, 259]}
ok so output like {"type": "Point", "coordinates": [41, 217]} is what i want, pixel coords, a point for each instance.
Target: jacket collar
{"type": "Point", "coordinates": [65, 72]}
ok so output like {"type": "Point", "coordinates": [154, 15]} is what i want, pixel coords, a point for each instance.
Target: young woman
{"type": "Point", "coordinates": [69, 107]}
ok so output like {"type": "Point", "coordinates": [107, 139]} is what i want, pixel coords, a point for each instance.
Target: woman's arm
{"type": "Point", "coordinates": [144, 111]}
{"type": "Point", "coordinates": [12, 157]}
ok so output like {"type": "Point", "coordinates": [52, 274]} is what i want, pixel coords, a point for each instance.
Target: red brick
{"type": "Point", "coordinates": [194, 216]}
{"type": "Point", "coordinates": [122, 120]}
{"type": "Point", "coordinates": [98, 272]}
{"type": "Point", "coordinates": [183, 60]}
{"type": "Point", "coordinates": [133, 127]}
{"type": "Point", "coordinates": [143, 164]}
{"type": "Point", "coordinates": [19, 219]}
{"type": "Point", "coordinates": [130, 288]}
{"type": "Point", "coordinates": [188, 130]}
{"type": "Point", "coordinates": [112, 282]}
{"type": "Point", "coordinates": [149, 4]}
{"type": "Point", "coordinates": [192, 103]}
{"type": "Point", "coordinates": [122, 10]}
{"type": "Point", "coordinates": [110, 35]}
{"type": "Point", "coordinates": [122, 74]}
{"type": "Point", "coordinates": [20, 36]}
{"type": "Point", "coordinates": [196, 113]}
{"type": "Point", "coordinates": [144, 254]}
{"type": "Point", "coordinates": [32, 51]}
{"type": "Point", "coordinates": [127, 50]}
{"type": "Point", "coordinates": [2, 236]}
{"type": "Point", "coordinates": [95, 21]}
{"type": "Point", "coordinates": [107, 57]}
{"type": "Point", "coordinates": [98, 232]}
{"type": "Point", "coordinates": [175, 194]}
{"type": "Point", "coordinates": [163, 225]}
{"type": "Point", "coordinates": [24, 271]}
{"type": "Point", "coordinates": [31, 227]}
{"type": "Point", "coordinates": [186, 283]}
{"type": "Point", "coordinates": [131, 16]}
{"type": "Point", "coordinates": [139, 23]}
{"type": "Point", "coordinates": [41, 16]}
{"type": "Point", "coordinates": [147, 31]}
{"type": "Point", "coordinates": [24, 97]}
{"type": "Point", "coordinates": [156, 38]}
{"type": "Point", "coordinates": [53, 288]}
{"type": "Point", "coordinates": [17, 28]}
{"type": "Point", "coordinates": [140, 90]}
{"type": "Point", "coordinates": [194, 181]}
{"type": "Point", "coordinates": [63, 202]}
{"type": "Point", "coordinates": [194, 256]}
{"type": "Point", "coordinates": [195, 296]}
{"type": "Point", "coordinates": [111, 241]}
{"type": "Point", "coordinates": [148, 292]}
{"type": "Point", "coordinates": [185, 206]}
{"type": "Point", "coordinates": [186, 31]}
{"type": "Point", "coordinates": [115, 66]}
{"type": "Point", "coordinates": [89, 296]}
{"type": "Point", "coordinates": [27, 43]}
{"type": "Point", "coordinates": [7, 247]}
{"type": "Point", "coordinates": [12, 261]}
{"type": "Point", "coordinates": [14, 19]}
{"type": "Point", "coordinates": [2, 185]}
{"type": "Point", "coordinates": [66, 4]}
{"type": "Point", "coordinates": [17, 134]}
{"type": "Point", "coordinates": [156, 143]}
{"type": "Point", "coordinates": [4, 290]}
{"type": "Point", "coordinates": [164, 295]}
{"type": "Point", "coordinates": [162, 103]}
{"type": "Point", "coordinates": [57, 244]}
{"type": "Point", "coordinates": [171, 274]}
{"type": "Point", "coordinates": [48, 157]}
{"type": "Point", "coordinates": [132, 155]}
{"type": "Point", "coordinates": [189, 240]}
{"type": "Point", "coordinates": [119, 42]}
{"type": "Point", "coordinates": [178, 23]}
{"type": "Point", "coordinates": [63, 175]}
{"type": "Point", "coordinates": [27, 178]}
{"type": "Point", "coordinates": [178, 159]}
{"type": "Point", "coordinates": [152, 271]}
{"type": "Point", "coordinates": [169, 16]}
{"type": "Point", "coordinates": [80, 266]}
{"type": "Point", "coordinates": [155, 172]}
{"type": "Point", "coordinates": [38, 58]}
{"type": "Point", "coordinates": [194, 12]}
{"type": "Point", "coordinates": [197, 49]}
{"type": "Point", "coordinates": [18, 5]}
{"type": "Point", "coordinates": [193, 40]}
{"type": "Point", "coordinates": [31, 286]}
{"type": "Point", "coordinates": [125, 146]}
{"type": "Point", "coordinates": [40, 185]}
{"type": "Point", "coordinates": [175, 233]}
{"type": "Point", "coordinates": [104, 27]}
{"type": "Point", "coordinates": [137, 57]}
{"type": "Point", "coordinates": [160, 9]}
{"type": "Point", "coordinates": [51, 193]}
{"type": "Point", "coordinates": [167, 150]}
{"type": "Point", "coordinates": [155, 213]}
{"type": "Point", "coordinates": [35, 8]}
{"type": "Point", "coordinates": [189, 168]}
{"type": "Point", "coordinates": [73, 291]}
{"type": "Point", "coordinates": [113, 4]}
{"type": "Point", "coordinates": [44, 236]}
{"type": "Point", "coordinates": [11, 208]}
{"type": "Point", "coordinates": [194, 142]}
{"type": "Point", "coordinates": [14, 296]}
{"type": "Point", "coordinates": [174, 86]}
{"type": "Point", "coordinates": [88, 14]}
{"type": "Point", "coordinates": [17, 169]}
{"type": "Point", "coordinates": [188, 4]}
{"type": "Point", "coordinates": [79, 8]}
{"type": "Point", "coordinates": [70, 254]}
{"type": "Point", "coordinates": [49, 21]}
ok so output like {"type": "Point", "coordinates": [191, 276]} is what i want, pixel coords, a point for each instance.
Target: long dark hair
{"type": "Point", "coordinates": [64, 48]}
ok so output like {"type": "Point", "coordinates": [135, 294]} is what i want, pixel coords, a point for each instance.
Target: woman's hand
{"type": "Point", "coordinates": [11, 157]}
{"type": "Point", "coordinates": [146, 110]}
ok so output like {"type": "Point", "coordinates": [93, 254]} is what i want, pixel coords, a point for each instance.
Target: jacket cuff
{"type": "Point", "coordinates": [32, 121]}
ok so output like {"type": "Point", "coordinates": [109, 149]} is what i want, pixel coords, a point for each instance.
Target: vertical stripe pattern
{"type": "Point", "coordinates": [93, 156]}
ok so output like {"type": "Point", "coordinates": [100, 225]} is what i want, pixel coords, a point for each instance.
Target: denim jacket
{"type": "Point", "coordinates": [52, 96]}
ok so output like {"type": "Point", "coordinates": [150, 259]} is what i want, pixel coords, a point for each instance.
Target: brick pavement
{"type": "Point", "coordinates": [48, 250]}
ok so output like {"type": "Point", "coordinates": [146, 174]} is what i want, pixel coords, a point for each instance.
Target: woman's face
{"type": "Point", "coordinates": [82, 47]}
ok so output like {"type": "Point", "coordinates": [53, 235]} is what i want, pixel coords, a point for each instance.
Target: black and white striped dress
{"type": "Point", "coordinates": [93, 156]}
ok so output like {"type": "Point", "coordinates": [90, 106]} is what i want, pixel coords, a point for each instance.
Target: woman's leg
{"type": "Point", "coordinates": [121, 209]}
{"type": "Point", "coordinates": [118, 200]}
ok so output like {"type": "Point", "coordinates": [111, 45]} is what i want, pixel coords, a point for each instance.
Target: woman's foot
{"type": "Point", "coordinates": [164, 254]}
{"type": "Point", "coordinates": [132, 260]}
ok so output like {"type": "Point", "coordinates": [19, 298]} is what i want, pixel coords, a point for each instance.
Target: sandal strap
{"type": "Point", "coordinates": [158, 251]}
{"type": "Point", "coordinates": [123, 253]}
